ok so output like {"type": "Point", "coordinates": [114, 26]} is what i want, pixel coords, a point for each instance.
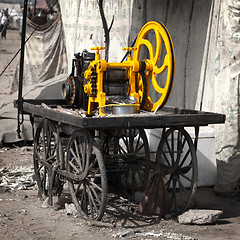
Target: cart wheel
{"type": "Point", "coordinates": [177, 160]}
{"type": "Point", "coordinates": [88, 187]}
{"type": "Point", "coordinates": [47, 154]}
{"type": "Point", "coordinates": [133, 158]}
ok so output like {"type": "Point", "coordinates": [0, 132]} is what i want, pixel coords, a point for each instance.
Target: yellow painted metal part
{"type": "Point", "coordinates": [100, 66]}
{"type": "Point", "coordinates": [132, 65]}
{"type": "Point", "coordinates": [163, 40]}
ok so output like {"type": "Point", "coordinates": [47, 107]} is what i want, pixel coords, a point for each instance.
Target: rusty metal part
{"type": "Point", "coordinates": [71, 91]}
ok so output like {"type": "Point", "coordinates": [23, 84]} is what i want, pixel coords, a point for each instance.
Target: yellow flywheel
{"type": "Point", "coordinates": [160, 65]}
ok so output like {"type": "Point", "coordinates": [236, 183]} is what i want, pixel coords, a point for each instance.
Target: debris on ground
{"type": "Point", "coordinates": [70, 209]}
{"type": "Point", "coordinates": [167, 235]}
{"type": "Point", "coordinates": [199, 216]}
{"type": "Point", "coordinates": [101, 224]}
{"type": "Point", "coordinates": [129, 233]}
{"type": "Point", "coordinates": [21, 178]}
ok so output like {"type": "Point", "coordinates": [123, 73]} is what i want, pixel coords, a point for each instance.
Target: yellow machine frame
{"type": "Point", "coordinates": [132, 66]}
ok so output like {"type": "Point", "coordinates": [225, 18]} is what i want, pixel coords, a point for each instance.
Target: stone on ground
{"type": "Point", "coordinates": [199, 216]}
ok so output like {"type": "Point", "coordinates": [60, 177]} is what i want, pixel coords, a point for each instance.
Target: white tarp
{"type": "Point", "coordinates": [45, 53]}
{"type": "Point", "coordinates": [45, 63]}
{"type": "Point", "coordinates": [50, 89]}
{"type": "Point", "coordinates": [222, 90]}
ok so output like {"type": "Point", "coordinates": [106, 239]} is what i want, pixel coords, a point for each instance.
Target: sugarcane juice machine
{"type": "Point", "coordinates": [93, 81]}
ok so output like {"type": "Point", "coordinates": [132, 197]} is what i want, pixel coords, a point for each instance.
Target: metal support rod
{"type": "Point", "coordinates": [34, 7]}
{"type": "Point", "coordinates": [20, 84]}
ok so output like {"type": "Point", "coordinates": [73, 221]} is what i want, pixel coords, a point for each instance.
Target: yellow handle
{"type": "Point", "coordinates": [97, 49]}
{"type": "Point", "coordinates": [129, 49]}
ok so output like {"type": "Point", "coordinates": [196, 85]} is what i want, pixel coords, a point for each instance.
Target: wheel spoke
{"type": "Point", "coordinates": [74, 167]}
{"type": "Point", "coordinates": [181, 186]}
{"type": "Point", "coordinates": [126, 144]}
{"type": "Point", "coordinates": [48, 141]}
{"type": "Point", "coordinates": [185, 158]}
{"type": "Point", "coordinates": [51, 158]}
{"type": "Point", "coordinates": [121, 150]}
{"type": "Point", "coordinates": [96, 197]}
{"type": "Point", "coordinates": [139, 148]}
{"type": "Point", "coordinates": [92, 164]}
{"type": "Point", "coordinates": [91, 201]}
{"type": "Point", "coordinates": [148, 44]}
{"type": "Point", "coordinates": [78, 158]}
{"type": "Point", "coordinates": [39, 168]}
{"type": "Point", "coordinates": [76, 190]}
{"type": "Point", "coordinates": [186, 177]}
{"type": "Point", "coordinates": [85, 152]}
{"type": "Point", "coordinates": [181, 189]}
{"type": "Point", "coordinates": [137, 144]}
{"type": "Point", "coordinates": [43, 144]}
{"type": "Point", "coordinates": [170, 151]}
{"type": "Point", "coordinates": [160, 70]}
{"type": "Point", "coordinates": [155, 84]}
{"type": "Point", "coordinates": [169, 182]}
{"type": "Point", "coordinates": [166, 158]}
{"type": "Point", "coordinates": [94, 185]}
{"type": "Point", "coordinates": [158, 47]}
{"type": "Point", "coordinates": [173, 199]}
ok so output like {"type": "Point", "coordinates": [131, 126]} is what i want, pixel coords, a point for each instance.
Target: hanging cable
{"type": "Point", "coordinates": [186, 55]}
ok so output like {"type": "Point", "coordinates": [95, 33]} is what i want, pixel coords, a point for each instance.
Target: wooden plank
{"type": "Point", "coordinates": [166, 117]}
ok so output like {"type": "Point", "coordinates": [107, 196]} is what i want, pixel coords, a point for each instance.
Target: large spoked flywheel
{"type": "Point", "coordinates": [159, 65]}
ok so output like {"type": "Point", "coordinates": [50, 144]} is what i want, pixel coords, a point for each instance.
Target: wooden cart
{"type": "Point", "coordinates": [93, 152]}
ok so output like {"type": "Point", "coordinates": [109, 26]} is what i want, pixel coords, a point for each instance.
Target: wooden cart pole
{"type": "Point", "coordinates": [20, 84]}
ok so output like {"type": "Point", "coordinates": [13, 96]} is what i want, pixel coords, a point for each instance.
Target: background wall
{"type": "Point", "coordinates": [206, 38]}
{"type": "Point", "coordinates": [83, 25]}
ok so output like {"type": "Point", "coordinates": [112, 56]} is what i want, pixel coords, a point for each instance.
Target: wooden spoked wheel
{"type": "Point", "coordinates": [88, 185]}
{"type": "Point", "coordinates": [47, 155]}
{"type": "Point", "coordinates": [177, 160]}
{"type": "Point", "coordinates": [160, 65]}
{"type": "Point", "coordinates": [133, 158]}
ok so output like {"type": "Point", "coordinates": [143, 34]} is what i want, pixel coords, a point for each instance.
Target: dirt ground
{"type": "Point", "coordinates": [24, 216]}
